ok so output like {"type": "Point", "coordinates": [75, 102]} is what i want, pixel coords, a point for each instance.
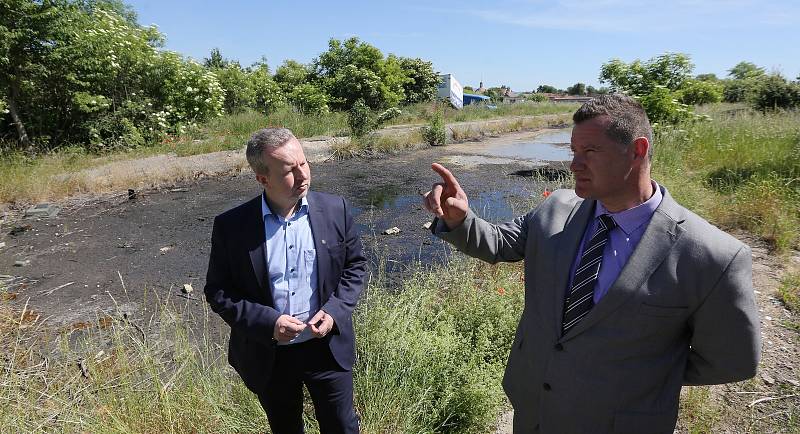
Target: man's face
{"type": "Point", "coordinates": [289, 176]}
{"type": "Point", "coordinates": [602, 167]}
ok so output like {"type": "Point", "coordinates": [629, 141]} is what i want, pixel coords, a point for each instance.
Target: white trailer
{"type": "Point", "coordinates": [451, 90]}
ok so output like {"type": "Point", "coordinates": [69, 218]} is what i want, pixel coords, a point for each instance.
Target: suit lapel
{"type": "Point", "coordinates": [317, 221]}
{"type": "Point", "coordinates": [567, 244]}
{"type": "Point", "coordinates": [657, 241]}
{"type": "Point", "coordinates": [255, 245]}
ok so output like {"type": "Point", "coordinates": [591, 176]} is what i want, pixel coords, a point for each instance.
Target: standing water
{"type": "Point", "coordinates": [548, 146]}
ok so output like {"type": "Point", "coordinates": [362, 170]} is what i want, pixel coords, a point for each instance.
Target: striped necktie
{"type": "Point", "coordinates": [580, 299]}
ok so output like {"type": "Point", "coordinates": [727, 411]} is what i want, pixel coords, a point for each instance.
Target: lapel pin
{"type": "Point", "coordinates": [322, 241]}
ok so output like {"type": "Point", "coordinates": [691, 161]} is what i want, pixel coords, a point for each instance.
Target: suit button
{"type": "Point", "coordinates": [546, 386]}
{"type": "Point", "coordinates": [559, 347]}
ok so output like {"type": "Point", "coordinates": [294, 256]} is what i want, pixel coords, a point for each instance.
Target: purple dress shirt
{"type": "Point", "coordinates": [623, 239]}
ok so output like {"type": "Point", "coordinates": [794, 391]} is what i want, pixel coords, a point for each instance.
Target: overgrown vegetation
{"type": "Point", "coordinates": [666, 89]}
{"type": "Point", "coordinates": [434, 133]}
{"type": "Point", "coordinates": [80, 72]}
{"type": "Point", "coordinates": [437, 346]}
{"type": "Point", "coordinates": [739, 170]}
{"type": "Point", "coordinates": [789, 290]}
{"type": "Point", "coordinates": [84, 73]}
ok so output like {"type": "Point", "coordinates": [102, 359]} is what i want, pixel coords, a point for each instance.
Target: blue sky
{"type": "Point", "coordinates": [519, 43]}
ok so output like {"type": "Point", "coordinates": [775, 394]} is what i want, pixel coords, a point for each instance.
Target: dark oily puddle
{"type": "Point", "coordinates": [387, 206]}
{"type": "Point", "coordinates": [551, 145]}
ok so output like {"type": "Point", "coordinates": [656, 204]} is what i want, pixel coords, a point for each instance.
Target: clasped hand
{"type": "Point", "coordinates": [288, 327]}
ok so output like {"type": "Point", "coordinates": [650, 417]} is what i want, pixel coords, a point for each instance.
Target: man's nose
{"type": "Point", "coordinates": [576, 164]}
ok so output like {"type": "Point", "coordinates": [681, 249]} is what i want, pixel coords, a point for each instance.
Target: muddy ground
{"type": "Point", "coordinates": [100, 253]}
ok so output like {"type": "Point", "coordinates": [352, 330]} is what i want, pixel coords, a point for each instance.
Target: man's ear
{"type": "Point", "coordinates": [641, 146]}
{"type": "Point", "coordinates": [262, 179]}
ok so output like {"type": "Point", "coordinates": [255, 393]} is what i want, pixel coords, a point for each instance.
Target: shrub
{"type": "Point", "coordinates": [774, 92]}
{"type": "Point", "coordinates": [537, 97]}
{"type": "Point", "coordinates": [388, 115]}
{"type": "Point", "coordinates": [360, 120]}
{"type": "Point", "coordinates": [662, 107]}
{"type": "Point", "coordinates": [738, 90]}
{"type": "Point", "coordinates": [236, 85]}
{"type": "Point", "coordinates": [695, 92]}
{"type": "Point", "coordinates": [269, 96]}
{"type": "Point", "coordinates": [434, 133]}
{"type": "Point", "coordinates": [309, 99]}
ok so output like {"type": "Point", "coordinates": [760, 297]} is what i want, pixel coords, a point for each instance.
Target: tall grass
{"type": "Point", "coordinates": [741, 169]}
{"type": "Point", "coordinates": [118, 377]}
{"type": "Point", "coordinates": [430, 358]}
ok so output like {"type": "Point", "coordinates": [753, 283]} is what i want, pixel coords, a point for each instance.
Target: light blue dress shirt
{"type": "Point", "coordinates": [292, 265]}
{"type": "Point", "coordinates": [622, 240]}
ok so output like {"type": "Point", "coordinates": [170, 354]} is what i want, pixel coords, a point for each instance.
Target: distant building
{"type": "Point", "coordinates": [511, 97]}
{"type": "Point", "coordinates": [471, 98]}
{"type": "Point", "coordinates": [480, 89]}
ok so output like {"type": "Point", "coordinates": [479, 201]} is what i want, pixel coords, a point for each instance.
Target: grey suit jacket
{"type": "Point", "coordinates": [682, 311]}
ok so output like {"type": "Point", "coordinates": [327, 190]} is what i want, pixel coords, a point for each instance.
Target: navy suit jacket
{"type": "Point", "coordinates": [239, 290]}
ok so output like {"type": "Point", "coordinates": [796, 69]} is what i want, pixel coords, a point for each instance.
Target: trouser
{"type": "Point", "coordinates": [331, 388]}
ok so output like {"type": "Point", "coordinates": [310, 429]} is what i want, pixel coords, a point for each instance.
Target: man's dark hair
{"type": "Point", "coordinates": [628, 118]}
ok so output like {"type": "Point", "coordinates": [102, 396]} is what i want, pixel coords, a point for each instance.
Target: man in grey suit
{"type": "Point", "coordinates": [628, 295]}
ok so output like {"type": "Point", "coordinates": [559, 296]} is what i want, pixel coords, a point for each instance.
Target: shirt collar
{"type": "Point", "coordinates": [632, 218]}
{"type": "Point", "coordinates": [265, 210]}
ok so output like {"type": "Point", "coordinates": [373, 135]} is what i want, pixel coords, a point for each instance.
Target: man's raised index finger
{"type": "Point", "coordinates": [447, 177]}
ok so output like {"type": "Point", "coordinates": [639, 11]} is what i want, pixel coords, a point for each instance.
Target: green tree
{"type": "Point", "coordinates": [309, 99]}
{"type": "Point", "coordinates": [696, 92]}
{"type": "Point", "coordinates": [25, 28]}
{"type": "Point", "coordinates": [707, 77]}
{"type": "Point", "coordinates": [737, 90]}
{"type": "Point", "coordinates": [292, 74]}
{"type": "Point", "coordinates": [495, 94]}
{"type": "Point", "coordinates": [577, 89]}
{"type": "Point", "coordinates": [77, 71]}
{"type": "Point", "coordinates": [744, 70]}
{"type": "Point", "coordinates": [237, 85]}
{"type": "Point", "coordinates": [546, 88]}
{"type": "Point", "coordinates": [215, 60]}
{"type": "Point", "coordinates": [353, 70]}
{"type": "Point", "coordinates": [655, 83]}
{"type": "Point", "coordinates": [774, 92]}
{"type": "Point", "coordinates": [591, 90]}
{"type": "Point", "coordinates": [268, 94]}
{"type": "Point", "coordinates": [422, 80]}
{"type": "Point", "coordinates": [669, 70]}
{"type": "Point", "coordinates": [661, 107]}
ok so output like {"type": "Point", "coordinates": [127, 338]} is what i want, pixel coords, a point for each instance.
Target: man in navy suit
{"type": "Point", "coordinates": [285, 272]}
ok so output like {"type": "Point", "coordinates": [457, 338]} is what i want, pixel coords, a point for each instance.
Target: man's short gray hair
{"type": "Point", "coordinates": [628, 118]}
{"type": "Point", "coordinates": [263, 140]}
